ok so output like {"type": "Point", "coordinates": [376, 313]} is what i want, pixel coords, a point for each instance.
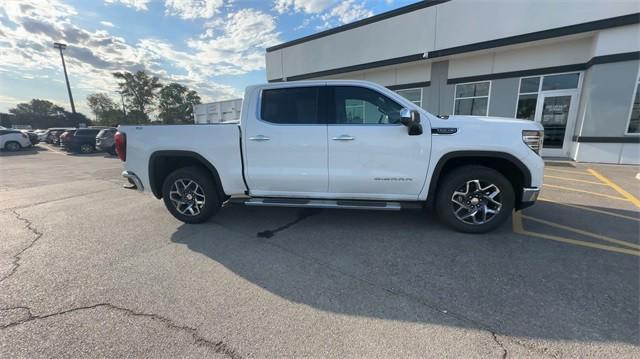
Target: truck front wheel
{"type": "Point", "coordinates": [474, 199]}
{"type": "Point", "coordinates": [190, 195]}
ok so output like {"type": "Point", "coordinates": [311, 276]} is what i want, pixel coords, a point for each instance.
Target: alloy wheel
{"type": "Point", "coordinates": [187, 196]}
{"type": "Point", "coordinates": [476, 202]}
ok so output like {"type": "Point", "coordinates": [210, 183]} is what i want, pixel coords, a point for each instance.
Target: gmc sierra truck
{"type": "Point", "coordinates": [339, 144]}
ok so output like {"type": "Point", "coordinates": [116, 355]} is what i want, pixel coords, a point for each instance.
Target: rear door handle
{"type": "Point", "coordinates": [343, 138]}
{"type": "Point", "coordinates": [259, 138]}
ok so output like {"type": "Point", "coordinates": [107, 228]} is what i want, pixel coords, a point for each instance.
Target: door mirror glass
{"type": "Point", "coordinates": [411, 119]}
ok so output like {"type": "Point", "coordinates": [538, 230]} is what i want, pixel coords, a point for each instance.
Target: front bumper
{"type": "Point", "coordinates": [134, 180]}
{"type": "Point", "coordinates": [529, 197]}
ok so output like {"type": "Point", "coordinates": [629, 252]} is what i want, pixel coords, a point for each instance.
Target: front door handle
{"type": "Point", "coordinates": [343, 138]}
{"type": "Point", "coordinates": [259, 138]}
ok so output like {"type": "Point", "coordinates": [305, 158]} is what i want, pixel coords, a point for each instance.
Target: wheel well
{"type": "Point", "coordinates": [507, 165]}
{"type": "Point", "coordinates": [162, 163]}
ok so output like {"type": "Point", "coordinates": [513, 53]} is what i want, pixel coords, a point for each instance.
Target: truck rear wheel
{"type": "Point", "coordinates": [474, 199]}
{"type": "Point", "coordinates": [190, 195]}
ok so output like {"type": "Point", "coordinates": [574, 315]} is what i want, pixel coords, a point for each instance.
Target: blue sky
{"type": "Point", "coordinates": [214, 46]}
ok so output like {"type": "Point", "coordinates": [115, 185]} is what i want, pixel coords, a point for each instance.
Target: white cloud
{"type": "Point", "coordinates": [107, 23]}
{"type": "Point", "coordinates": [230, 45]}
{"type": "Point", "coordinates": [307, 6]}
{"type": "Point", "coordinates": [139, 5]}
{"type": "Point", "coordinates": [236, 45]}
{"type": "Point", "coordinates": [330, 12]}
{"type": "Point", "coordinates": [346, 12]}
{"type": "Point", "coordinates": [192, 9]}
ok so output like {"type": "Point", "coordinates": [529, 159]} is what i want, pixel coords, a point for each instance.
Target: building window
{"type": "Point", "coordinates": [413, 95]}
{"type": "Point", "coordinates": [472, 99]}
{"type": "Point", "coordinates": [528, 97]}
{"type": "Point", "coordinates": [560, 82]}
{"type": "Point", "coordinates": [530, 87]}
{"type": "Point", "coordinates": [634, 118]}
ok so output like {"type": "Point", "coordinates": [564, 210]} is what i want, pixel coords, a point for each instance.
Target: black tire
{"type": "Point", "coordinates": [112, 151]}
{"type": "Point", "coordinates": [204, 180]}
{"type": "Point", "coordinates": [462, 180]}
{"type": "Point", "coordinates": [12, 146]}
{"type": "Point", "coordinates": [86, 148]}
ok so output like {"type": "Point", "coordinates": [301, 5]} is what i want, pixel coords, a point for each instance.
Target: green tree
{"type": "Point", "coordinates": [139, 90]}
{"type": "Point", "coordinates": [44, 114]}
{"type": "Point", "coordinates": [176, 102]}
{"type": "Point", "coordinates": [106, 110]}
{"type": "Point", "coordinates": [37, 108]}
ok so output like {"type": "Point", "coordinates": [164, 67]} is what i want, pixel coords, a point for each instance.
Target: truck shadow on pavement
{"type": "Point", "coordinates": [405, 266]}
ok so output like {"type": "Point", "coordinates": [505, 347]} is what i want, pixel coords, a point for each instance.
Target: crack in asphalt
{"type": "Point", "coordinates": [302, 215]}
{"type": "Point", "coordinates": [219, 347]}
{"type": "Point", "coordinates": [18, 256]}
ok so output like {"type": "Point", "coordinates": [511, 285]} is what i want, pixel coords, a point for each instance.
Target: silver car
{"type": "Point", "coordinates": [105, 141]}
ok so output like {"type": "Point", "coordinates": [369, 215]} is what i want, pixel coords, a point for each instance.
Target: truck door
{"type": "Point", "coordinates": [286, 143]}
{"type": "Point", "coordinates": [371, 155]}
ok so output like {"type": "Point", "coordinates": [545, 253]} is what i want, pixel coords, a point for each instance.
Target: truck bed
{"type": "Point", "coordinates": [217, 143]}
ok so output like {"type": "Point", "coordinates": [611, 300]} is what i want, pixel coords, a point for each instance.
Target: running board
{"type": "Point", "coordinates": [323, 203]}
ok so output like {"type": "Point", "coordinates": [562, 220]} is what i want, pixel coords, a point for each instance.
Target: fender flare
{"type": "Point", "coordinates": [435, 176]}
{"type": "Point", "coordinates": [157, 190]}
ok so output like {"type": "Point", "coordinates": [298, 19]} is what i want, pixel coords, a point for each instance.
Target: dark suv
{"type": "Point", "coordinates": [83, 140]}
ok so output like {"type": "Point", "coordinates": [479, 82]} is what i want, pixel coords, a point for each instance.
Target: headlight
{"type": "Point", "coordinates": [533, 139]}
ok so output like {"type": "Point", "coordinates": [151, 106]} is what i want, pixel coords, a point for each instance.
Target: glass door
{"type": "Point", "coordinates": [556, 111]}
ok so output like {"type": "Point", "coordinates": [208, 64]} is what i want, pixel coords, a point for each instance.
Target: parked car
{"type": "Point", "coordinates": [41, 134]}
{"type": "Point", "coordinates": [13, 140]}
{"type": "Point", "coordinates": [83, 140]}
{"type": "Point", "coordinates": [105, 141]}
{"type": "Point", "coordinates": [33, 138]}
{"type": "Point", "coordinates": [303, 144]}
{"type": "Point", "coordinates": [66, 137]}
{"type": "Point", "coordinates": [53, 135]}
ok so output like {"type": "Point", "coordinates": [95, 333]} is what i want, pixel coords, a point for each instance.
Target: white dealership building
{"type": "Point", "coordinates": [572, 65]}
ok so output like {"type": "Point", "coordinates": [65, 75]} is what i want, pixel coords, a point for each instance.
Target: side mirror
{"type": "Point", "coordinates": [411, 119]}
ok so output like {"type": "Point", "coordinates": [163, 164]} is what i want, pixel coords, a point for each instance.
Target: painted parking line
{"type": "Point", "coordinates": [595, 210]}
{"type": "Point", "coordinates": [567, 171]}
{"type": "Point", "coordinates": [631, 198]}
{"type": "Point", "coordinates": [575, 180]}
{"type": "Point", "coordinates": [587, 192]}
{"type": "Point", "coordinates": [519, 229]}
{"type": "Point", "coordinates": [49, 148]}
{"type": "Point", "coordinates": [582, 232]}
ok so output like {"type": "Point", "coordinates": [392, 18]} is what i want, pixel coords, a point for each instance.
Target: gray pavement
{"type": "Point", "coordinates": [90, 269]}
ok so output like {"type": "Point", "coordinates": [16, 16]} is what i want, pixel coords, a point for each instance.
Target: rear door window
{"type": "Point", "coordinates": [291, 106]}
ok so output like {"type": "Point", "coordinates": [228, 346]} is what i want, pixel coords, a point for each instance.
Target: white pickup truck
{"type": "Point", "coordinates": [339, 144]}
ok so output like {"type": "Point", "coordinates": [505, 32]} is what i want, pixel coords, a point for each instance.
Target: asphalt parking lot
{"type": "Point", "coordinates": [90, 269]}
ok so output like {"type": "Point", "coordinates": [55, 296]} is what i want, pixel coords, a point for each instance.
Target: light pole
{"type": "Point", "coordinates": [61, 47]}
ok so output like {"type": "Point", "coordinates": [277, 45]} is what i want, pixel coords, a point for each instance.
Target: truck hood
{"type": "Point", "coordinates": [489, 121]}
